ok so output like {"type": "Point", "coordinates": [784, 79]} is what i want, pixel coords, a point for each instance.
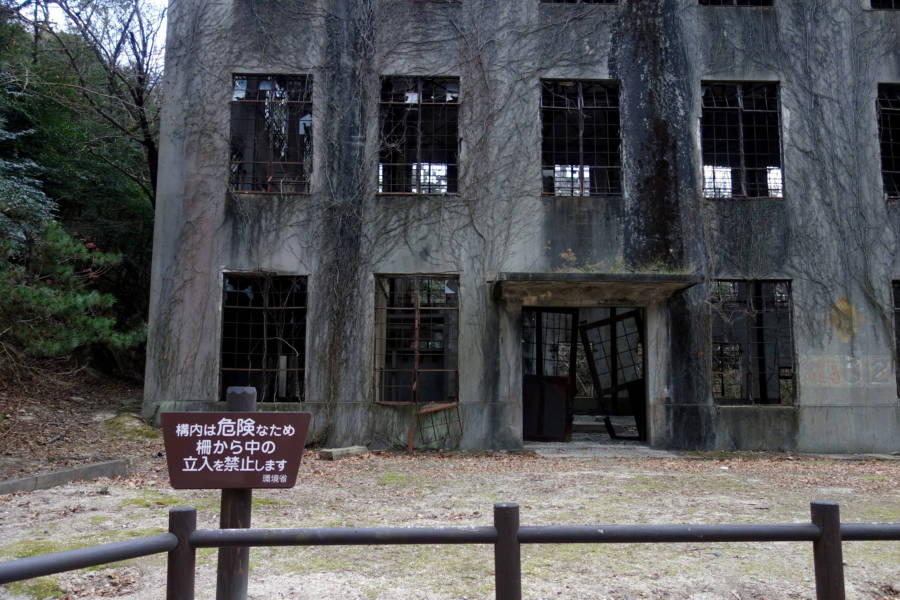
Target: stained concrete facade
{"type": "Point", "coordinates": [658, 245]}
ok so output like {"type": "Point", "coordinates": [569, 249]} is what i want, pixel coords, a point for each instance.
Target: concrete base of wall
{"type": "Point", "coordinates": [756, 428]}
{"type": "Point", "coordinates": [112, 468]}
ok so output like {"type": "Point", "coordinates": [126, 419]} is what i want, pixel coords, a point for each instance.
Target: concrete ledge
{"type": "Point", "coordinates": [112, 468]}
{"type": "Point", "coordinates": [337, 453]}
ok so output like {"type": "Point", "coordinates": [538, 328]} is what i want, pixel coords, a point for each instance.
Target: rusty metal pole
{"type": "Point", "coordinates": [507, 552]}
{"type": "Point", "coordinates": [233, 572]}
{"type": "Point", "coordinates": [827, 553]}
{"type": "Point", "coordinates": [180, 574]}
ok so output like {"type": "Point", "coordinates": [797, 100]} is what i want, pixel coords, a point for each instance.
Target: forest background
{"type": "Point", "coordinates": [80, 93]}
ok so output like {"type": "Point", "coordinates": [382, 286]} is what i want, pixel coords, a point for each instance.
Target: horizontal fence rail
{"type": "Point", "coordinates": [824, 531]}
{"type": "Point", "coordinates": [70, 560]}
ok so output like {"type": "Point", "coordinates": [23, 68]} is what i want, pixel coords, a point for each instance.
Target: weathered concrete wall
{"type": "Point", "coordinates": [832, 235]}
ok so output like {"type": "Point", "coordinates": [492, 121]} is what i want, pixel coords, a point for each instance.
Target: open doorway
{"type": "Point", "coordinates": [583, 372]}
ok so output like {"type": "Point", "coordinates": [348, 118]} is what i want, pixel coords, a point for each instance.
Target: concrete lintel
{"type": "Point", "coordinates": [590, 289]}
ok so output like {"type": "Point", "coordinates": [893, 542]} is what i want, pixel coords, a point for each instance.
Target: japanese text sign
{"type": "Point", "coordinates": [234, 449]}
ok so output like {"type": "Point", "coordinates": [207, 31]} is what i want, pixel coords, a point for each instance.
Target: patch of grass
{"type": "Point", "coordinates": [258, 502]}
{"type": "Point", "coordinates": [150, 499]}
{"type": "Point", "coordinates": [397, 479]}
{"type": "Point", "coordinates": [42, 587]}
{"type": "Point", "coordinates": [131, 427]}
{"type": "Point", "coordinates": [29, 548]}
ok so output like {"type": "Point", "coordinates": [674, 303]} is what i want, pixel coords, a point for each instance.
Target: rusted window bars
{"type": "Point", "coordinates": [825, 531]}
{"type": "Point", "coordinates": [889, 134]}
{"type": "Point", "coordinates": [271, 134]}
{"type": "Point", "coordinates": [419, 146]}
{"type": "Point", "coordinates": [740, 139]}
{"type": "Point", "coordinates": [580, 138]}
{"type": "Point", "coordinates": [416, 340]}
{"type": "Point", "coordinates": [264, 335]}
{"type": "Point", "coordinates": [736, 2]}
{"type": "Point", "coordinates": [753, 349]}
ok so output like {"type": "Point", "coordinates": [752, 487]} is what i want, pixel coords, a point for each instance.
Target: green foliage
{"type": "Point", "coordinates": [46, 305]}
{"type": "Point", "coordinates": [67, 188]}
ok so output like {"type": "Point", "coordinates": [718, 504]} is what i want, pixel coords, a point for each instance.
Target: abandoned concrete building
{"type": "Point", "coordinates": [461, 223]}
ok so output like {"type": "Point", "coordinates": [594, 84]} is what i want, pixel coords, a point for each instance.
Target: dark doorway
{"type": "Point", "coordinates": [614, 351]}
{"type": "Point", "coordinates": [549, 340]}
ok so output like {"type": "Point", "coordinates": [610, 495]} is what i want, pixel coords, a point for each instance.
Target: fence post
{"type": "Point", "coordinates": [233, 573]}
{"type": "Point", "coordinates": [507, 554]}
{"type": "Point", "coordinates": [180, 574]}
{"type": "Point", "coordinates": [827, 552]}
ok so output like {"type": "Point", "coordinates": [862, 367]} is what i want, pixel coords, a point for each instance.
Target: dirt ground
{"type": "Point", "coordinates": [389, 489]}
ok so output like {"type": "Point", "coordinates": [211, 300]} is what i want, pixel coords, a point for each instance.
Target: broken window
{"type": "Point", "coordinates": [752, 342]}
{"type": "Point", "coordinates": [889, 134]}
{"type": "Point", "coordinates": [416, 339]}
{"type": "Point", "coordinates": [885, 4]}
{"type": "Point", "coordinates": [264, 335]}
{"type": "Point", "coordinates": [580, 138]}
{"type": "Point", "coordinates": [739, 132]}
{"type": "Point", "coordinates": [735, 2]}
{"type": "Point", "coordinates": [419, 140]}
{"type": "Point", "coordinates": [271, 134]}
{"type": "Point", "coordinates": [896, 286]}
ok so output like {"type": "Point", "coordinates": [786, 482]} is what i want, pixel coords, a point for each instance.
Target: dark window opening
{"type": "Point", "coordinates": [752, 342]}
{"type": "Point", "coordinates": [271, 134]}
{"type": "Point", "coordinates": [419, 140]}
{"type": "Point", "coordinates": [416, 340]}
{"type": "Point", "coordinates": [896, 286]}
{"type": "Point", "coordinates": [579, 1]}
{"type": "Point", "coordinates": [885, 4]}
{"type": "Point", "coordinates": [264, 335]}
{"type": "Point", "coordinates": [889, 135]}
{"type": "Point", "coordinates": [736, 2]}
{"type": "Point", "coordinates": [581, 147]}
{"type": "Point", "coordinates": [741, 145]}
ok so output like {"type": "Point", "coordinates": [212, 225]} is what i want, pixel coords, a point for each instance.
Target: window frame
{"type": "Point", "coordinates": [386, 390]}
{"type": "Point", "coordinates": [710, 188]}
{"type": "Point", "coordinates": [389, 142]}
{"type": "Point", "coordinates": [738, 3]}
{"type": "Point", "coordinates": [556, 174]}
{"type": "Point", "coordinates": [239, 317]}
{"type": "Point", "coordinates": [889, 139]}
{"type": "Point", "coordinates": [738, 335]}
{"type": "Point", "coordinates": [895, 289]}
{"type": "Point", "coordinates": [284, 177]}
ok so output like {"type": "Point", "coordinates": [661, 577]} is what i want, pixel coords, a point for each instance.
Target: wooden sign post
{"type": "Point", "coordinates": [234, 451]}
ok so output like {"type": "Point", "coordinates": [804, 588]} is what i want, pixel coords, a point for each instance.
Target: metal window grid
{"type": "Point", "coordinates": [736, 3]}
{"type": "Point", "coordinates": [896, 290]}
{"type": "Point", "coordinates": [416, 342]}
{"type": "Point", "coordinates": [271, 134]}
{"type": "Point", "coordinates": [264, 335]}
{"type": "Point", "coordinates": [889, 136]}
{"type": "Point", "coordinates": [419, 145]}
{"type": "Point", "coordinates": [580, 138]}
{"type": "Point", "coordinates": [740, 140]}
{"type": "Point", "coordinates": [752, 342]}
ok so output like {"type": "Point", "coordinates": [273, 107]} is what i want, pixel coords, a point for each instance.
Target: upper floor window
{"type": "Point", "coordinates": [740, 138]}
{"type": "Point", "coordinates": [579, 1]}
{"type": "Point", "coordinates": [736, 2]}
{"type": "Point", "coordinates": [271, 133]}
{"type": "Point", "coordinates": [581, 143]}
{"type": "Point", "coordinates": [889, 135]}
{"type": "Point", "coordinates": [752, 342]}
{"type": "Point", "coordinates": [885, 4]}
{"type": "Point", "coordinates": [419, 135]}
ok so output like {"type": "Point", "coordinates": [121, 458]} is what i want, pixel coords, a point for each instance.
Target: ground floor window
{"type": "Point", "coordinates": [752, 342]}
{"type": "Point", "coordinates": [264, 335]}
{"type": "Point", "coordinates": [416, 339]}
{"type": "Point", "coordinates": [896, 286]}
